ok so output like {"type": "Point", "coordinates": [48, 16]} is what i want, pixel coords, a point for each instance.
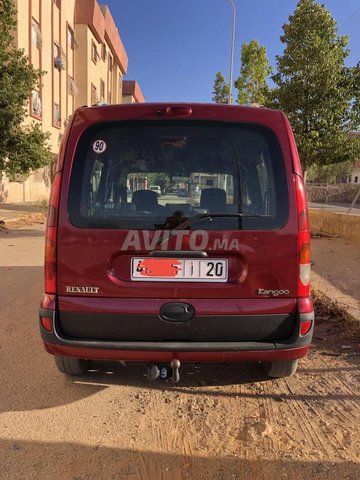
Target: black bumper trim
{"type": "Point", "coordinates": [294, 341]}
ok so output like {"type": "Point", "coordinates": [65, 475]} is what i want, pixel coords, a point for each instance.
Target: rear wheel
{"type": "Point", "coordinates": [70, 366]}
{"type": "Point", "coordinates": [280, 368]}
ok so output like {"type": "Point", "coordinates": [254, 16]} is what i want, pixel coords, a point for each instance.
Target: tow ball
{"type": "Point", "coordinates": [165, 372]}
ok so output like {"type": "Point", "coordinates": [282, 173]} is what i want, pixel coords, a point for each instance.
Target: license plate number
{"type": "Point", "coordinates": [179, 269]}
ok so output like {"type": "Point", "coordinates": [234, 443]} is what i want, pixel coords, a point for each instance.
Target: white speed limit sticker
{"type": "Point", "coordinates": [99, 146]}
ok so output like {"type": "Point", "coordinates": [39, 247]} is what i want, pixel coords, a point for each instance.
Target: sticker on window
{"type": "Point", "coordinates": [99, 146]}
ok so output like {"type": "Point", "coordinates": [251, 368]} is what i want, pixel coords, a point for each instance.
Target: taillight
{"type": "Point", "coordinates": [46, 322]}
{"type": "Point", "coordinates": [48, 302]}
{"type": "Point", "coordinates": [305, 327]}
{"type": "Point", "coordinates": [51, 236]}
{"type": "Point", "coordinates": [304, 257]}
{"type": "Point", "coordinates": [306, 314]}
{"type": "Point", "coordinates": [47, 307]}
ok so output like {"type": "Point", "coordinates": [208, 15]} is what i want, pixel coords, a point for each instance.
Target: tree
{"type": "Point", "coordinates": [161, 179]}
{"type": "Point", "coordinates": [354, 74]}
{"type": "Point", "coordinates": [254, 71]}
{"type": "Point", "coordinates": [221, 89]}
{"type": "Point", "coordinates": [332, 173]}
{"type": "Point", "coordinates": [314, 88]}
{"type": "Point", "coordinates": [22, 148]}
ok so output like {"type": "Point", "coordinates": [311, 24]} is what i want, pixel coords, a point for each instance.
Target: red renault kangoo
{"type": "Point", "coordinates": [218, 274]}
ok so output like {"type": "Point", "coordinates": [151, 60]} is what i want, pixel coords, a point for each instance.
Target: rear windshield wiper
{"type": "Point", "coordinates": [199, 216]}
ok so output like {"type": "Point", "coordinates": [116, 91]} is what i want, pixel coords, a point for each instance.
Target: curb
{"type": "Point", "coordinates": [23, 217]}
{"type": "Point", "coordinates": [348, 306]}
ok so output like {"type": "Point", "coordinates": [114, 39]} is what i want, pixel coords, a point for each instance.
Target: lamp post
{"type": "Point", "coordinates": [232, 49]}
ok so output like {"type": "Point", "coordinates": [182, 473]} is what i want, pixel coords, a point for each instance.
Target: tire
{"type": "Point", "coordinates": [70, 365]}
{"type": "Point", "coordinates": [281, 368]}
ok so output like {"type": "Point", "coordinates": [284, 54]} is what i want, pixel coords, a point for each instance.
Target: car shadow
{"type": "Point", "coordinates": [28, 377]}
{"type": "Point", "coordinates": [191, 375]}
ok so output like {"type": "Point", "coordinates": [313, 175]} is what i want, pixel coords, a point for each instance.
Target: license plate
{"type": "Point", "coordinates": [179, 269]}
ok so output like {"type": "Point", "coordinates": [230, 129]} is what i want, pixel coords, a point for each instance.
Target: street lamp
{"type": "Point", "coordinates": [232, 49]}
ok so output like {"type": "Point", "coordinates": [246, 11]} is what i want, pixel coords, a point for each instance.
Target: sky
{"type": "Point", "coordinates": [176, 47]}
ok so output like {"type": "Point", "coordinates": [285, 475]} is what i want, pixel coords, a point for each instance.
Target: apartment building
{"type": "Point", "coordinates": [100, 60]}
{"type": "Point", "coordinates": [355, 173]}
{"type": "Point", "coordinates": [131, 92]}
{"type": "Point", "coordinates": [77, 44]}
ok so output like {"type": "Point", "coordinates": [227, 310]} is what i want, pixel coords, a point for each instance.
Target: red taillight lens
{"type": "Point", "coordinates": [302, 210]}
{"type": "Point", "coordinates": [51, 236]}
{"type": "Point", "coordinates": [304, 238]}
{"type": "Point", "coordinates": [50, 260]}
{"type": "Point", "coordinates": [305, 327]}
{"type": "Point", "coordinates": [46, 323]}
{"type": "Point", "coordinates": [303, 219]}
{"type": "Point", "coordinates": [54, 201]}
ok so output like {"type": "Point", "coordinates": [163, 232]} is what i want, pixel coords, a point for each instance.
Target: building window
{"type": "Point", "coordinates": [59, 58]}
{"type": "Point", "coordinates": [356, 179]}
{"type": "Point", "coordinates": [71, 39]}
{"type": "Point", "coordinates": [94, 52]}
{"type": "Point", "coordinates": [35, 103]}
{"type": "Point", "coordinates": [57, 3]}
{"type": "Point", "coordinates": [72, 88]}
{"type": "Point", "coordinates": [103, 52]}
{"type": "Point", "coordinates": [56, 51]}
{"type": "Point", "coordinates": [110, 63]}
{"type": "Point", "coordinates": [57, 115]}
{"type": "Point", "coordinates": [36, 38]}
{"type": "Point", "coordinates": [209, 182]}
{"type": "Point", "coordinates": [102, 91]}
{"type": "Point", "coordinates": [120, 89]}
{"type": "Point", "coordinates": [94, 97]}
{"type": "Point", "coordinates": [109, 97]}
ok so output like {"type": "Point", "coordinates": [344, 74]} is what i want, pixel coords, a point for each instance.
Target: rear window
{"type": "Point", "coordinates": [197, 167]}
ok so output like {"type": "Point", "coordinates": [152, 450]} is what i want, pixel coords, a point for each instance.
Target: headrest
{"type": "Point", "coordinates": [213, 199]}
{"type": "Point", "coordinates": [145, 199]}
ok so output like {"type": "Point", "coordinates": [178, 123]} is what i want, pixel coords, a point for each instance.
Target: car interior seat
{"type": "Point", "coordinates": [213, 199]}
{"type": "Point", "coordinates": [145, 200]}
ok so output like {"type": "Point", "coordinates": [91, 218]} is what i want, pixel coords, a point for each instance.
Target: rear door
{"type": "Point", "coordinates": [120, 240]}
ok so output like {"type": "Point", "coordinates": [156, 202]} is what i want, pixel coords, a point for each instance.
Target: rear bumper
{"type": "Point", "coordinates": [214, 353]}
{"type": "Point", "coordinates": [292, 347]}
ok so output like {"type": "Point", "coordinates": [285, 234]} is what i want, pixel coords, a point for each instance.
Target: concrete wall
{"type": "Point", "coordinates": [355, 175]}
{"type": "Point", "coordinates": [341, 224]}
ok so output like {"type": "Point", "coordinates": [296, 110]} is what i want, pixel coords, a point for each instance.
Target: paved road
{"type": "Point", "coordinates": [220, 423]}
{"type": "Point", "coordinates": [334, 208]}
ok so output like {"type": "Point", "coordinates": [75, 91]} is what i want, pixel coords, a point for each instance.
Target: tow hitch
{"type": "Point", "coordinates": [165, 372]}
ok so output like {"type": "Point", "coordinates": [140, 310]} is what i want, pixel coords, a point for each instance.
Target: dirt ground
{"type": "Point", "coordinates": [336, 272]}
{"type": "Point", "coordinates": [220, 422]}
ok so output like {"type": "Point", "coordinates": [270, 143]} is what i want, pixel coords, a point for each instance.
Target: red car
{"type": "Point", "coordinates": [228, 282]}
